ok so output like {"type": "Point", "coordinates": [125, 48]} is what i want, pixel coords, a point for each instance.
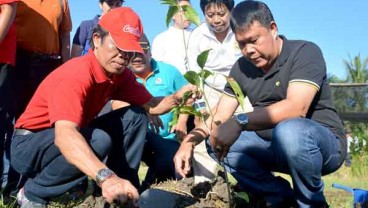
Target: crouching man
{"type": "Point", "coordinates": [59, 140]}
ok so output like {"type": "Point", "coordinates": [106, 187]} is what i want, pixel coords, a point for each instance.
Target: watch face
{"type": "Point", "coordinates": [103, 174]}
{"type": "Point", "coordinates": [242, 118]}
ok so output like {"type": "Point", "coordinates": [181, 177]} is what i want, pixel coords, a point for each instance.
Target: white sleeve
{"type": "Point", "coordinates": [157, 48]}
{"type": "Point", "coordinates": [193, 51]}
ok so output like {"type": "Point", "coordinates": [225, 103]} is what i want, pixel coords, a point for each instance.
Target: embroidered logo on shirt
{"type": "Point", "coordinates": [158, 81]}
{"type": "Point", "coordinates": [277, 83]}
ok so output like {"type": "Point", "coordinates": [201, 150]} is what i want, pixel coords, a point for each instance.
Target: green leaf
{"type": "Point", "coordinates": [169, 2]}
{"type": "Point", "coordinates": [193, 78]}
{"type": "Point", "coordinates": [238, 92]}
{"type": "Point", "coordinates": [189, 110]}
{"type": "Point", "coordinates": [243, 195]}
{"type": "Point", "coordinates": [174, 120]}
{"type": "Point", "coordinates": [202, 58]}
{"type": "Point", "coordinates": [205, 73]}
{"type": "Point", "coordinates": [186, 95]}
{"type": "Point", "coordinates": [191, 14]}
{"type": "Point", "coordinates": [170, 14]}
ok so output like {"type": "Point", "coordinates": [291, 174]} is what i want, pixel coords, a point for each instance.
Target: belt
{"type": "Point", "coordinates": [44, 57]}
{"type": "Point", "coordinates": [37, 56]}
{"type": "Point", "coordinates": [22, 132]}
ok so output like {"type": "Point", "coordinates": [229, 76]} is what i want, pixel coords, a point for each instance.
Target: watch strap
{"type": "Point", "coordinates": [103, 174]}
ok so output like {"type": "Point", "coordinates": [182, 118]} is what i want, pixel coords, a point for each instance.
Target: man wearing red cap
{"type": "Point", "coordinates": [59, 140]}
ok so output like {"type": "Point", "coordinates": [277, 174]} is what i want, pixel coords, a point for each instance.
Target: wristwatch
{"type": "Point", "coordinates": [103, 174]}
{"type": "Point", "coordinates": [242, 119]}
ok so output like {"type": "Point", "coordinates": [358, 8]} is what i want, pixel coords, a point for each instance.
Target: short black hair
{"type": "Point", "coordinates": [102, 1]}
{"type": "Point", "coordinates": [246, 12]}
{"type": "Point", "coordinates": [101, 32]}
{"type": "Point", "coordinates": [228, 3]}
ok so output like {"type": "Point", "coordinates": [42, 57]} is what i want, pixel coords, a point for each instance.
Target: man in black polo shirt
{"type": "Point", "coordinates": [294, 128]}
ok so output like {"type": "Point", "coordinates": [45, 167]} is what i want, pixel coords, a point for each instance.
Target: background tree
{"type": "Point", "coordinates": [356, 69]}
{"type": "Point", "coordinates": [334, 79]}
{"type": "Point", "coordinates": [351, 101]}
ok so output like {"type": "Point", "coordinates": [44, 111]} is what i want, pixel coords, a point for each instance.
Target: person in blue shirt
{"type": "Point", "coordinates": [83, 34]}
{"type": "Point", "coordinates": [162, 141]}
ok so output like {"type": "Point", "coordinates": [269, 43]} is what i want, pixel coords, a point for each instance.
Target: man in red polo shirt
{"type": "Point", "coordinates": [59, 140]}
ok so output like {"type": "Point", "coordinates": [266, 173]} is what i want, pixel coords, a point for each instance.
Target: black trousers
{"type": "Point", "coordinates": [6, 109]}
{"type": "Point", "coordinates": [17, 88]}
{"type": "Point", "coordinates": [118, 136]}
{"type": "Point", "coordinates": [31, 69]}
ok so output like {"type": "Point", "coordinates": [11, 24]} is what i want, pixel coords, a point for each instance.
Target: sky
{"type": "Point", "coordinates": [338, 27]}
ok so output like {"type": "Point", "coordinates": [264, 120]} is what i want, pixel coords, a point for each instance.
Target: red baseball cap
{"type": "Point", "coordinates": [124, 27]}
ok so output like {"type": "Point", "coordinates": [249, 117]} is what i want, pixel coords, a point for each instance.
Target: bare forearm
{"type": "Point", "coordinates": [76, 51]}
{"type": "Point", "coordinates": [77, 152]}
{"type": "Point", "coordinates": [204, 129]}
{"type": "Point", "coordinates": [116, 104]}
{"type": "Point", "coordinates": [296, 105]}
{"type": "Point", "coordinates": [161, 105]}
{"type": "Point", "coordinates": [268, 117]}
{"type": "Point", "coordinates": [195, 136]}
{"type": "Point", "coordinates": [7, 15]}
{"type": "Point", "coordinates": [65, 46]}
{"type": "Point", "coordinates": [183, 119]}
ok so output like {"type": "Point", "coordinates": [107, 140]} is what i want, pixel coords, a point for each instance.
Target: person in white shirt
{"type": "Point", "coordinates": [170, 45]}
{"type": "Point", "coordinates": [215, 34]}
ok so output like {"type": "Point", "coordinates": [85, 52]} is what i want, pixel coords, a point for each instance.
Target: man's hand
{"type": "Point", "coordinates": [120, 191]}
{"type": "Point", "coordinates": [183, 158]}
{"type": "Point", "coordinates": [155, 123]}
{"type": "Point", "coordinates": [224, 136]}
{"type": "Point", "coordinates": [187, 88]}
{"type": "Point", "coordinates": [161, 105]}
{"type": "Point", "coordinates": [180, 128]}
{"type": "Point", "coordinates": [180, 131]}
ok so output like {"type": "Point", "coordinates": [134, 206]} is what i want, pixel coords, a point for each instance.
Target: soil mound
{"type": "Point", "coordinates": [179, 194]}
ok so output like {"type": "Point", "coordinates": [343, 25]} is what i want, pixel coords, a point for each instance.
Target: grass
{"type": "Point", "coordinates": [345, 176]}
{"type": "Point", "coordinates": [336, 198]}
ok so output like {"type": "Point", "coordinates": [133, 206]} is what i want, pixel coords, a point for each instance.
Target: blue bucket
{"type": "Point", "coordinates": [360, 195]}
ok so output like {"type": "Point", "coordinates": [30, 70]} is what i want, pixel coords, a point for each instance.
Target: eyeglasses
{"type": "Point", "coordinates": [145, 46]}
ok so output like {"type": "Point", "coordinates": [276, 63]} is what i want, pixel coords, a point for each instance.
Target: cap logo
{"type": "Point", "coordinates": [132, 30]}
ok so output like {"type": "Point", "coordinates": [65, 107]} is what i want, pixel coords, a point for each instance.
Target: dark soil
{"type": "Point", "coordinates": [186, 193]}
